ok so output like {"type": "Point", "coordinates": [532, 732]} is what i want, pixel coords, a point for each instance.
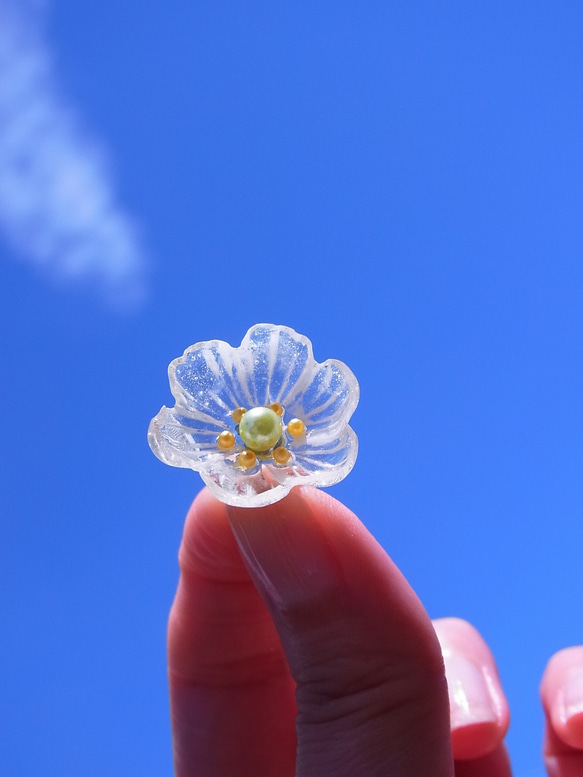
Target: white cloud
{"type": "Point", "coordinates": [58, 207]}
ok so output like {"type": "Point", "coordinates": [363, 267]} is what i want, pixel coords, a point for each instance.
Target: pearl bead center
{"type": "Point", "coordinates": [260, 429]}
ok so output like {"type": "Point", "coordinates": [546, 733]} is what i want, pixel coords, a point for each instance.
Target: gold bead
{"type": "Point", "coordinates": [238, 414]}
{"type": "Point", "coordinates": [281, 455]}
{"type": "Point", "coordinates": [296, 427]}
{"type": "Point", "coordinates": [225, 440]}
{"type": "Point", "coordinates": [247, 459]}
{"type": "Point", "coordinates": [277, 408]}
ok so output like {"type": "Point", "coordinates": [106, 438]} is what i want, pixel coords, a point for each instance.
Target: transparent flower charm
{"type": "Point", "coordinates": [257, 420]}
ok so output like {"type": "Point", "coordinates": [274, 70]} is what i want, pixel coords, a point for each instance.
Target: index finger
{"type": "Point", "coordinates": [232, 697]}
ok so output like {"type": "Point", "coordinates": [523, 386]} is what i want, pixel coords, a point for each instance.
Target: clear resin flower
{"type": "Point", "coordinates": [257, 420]}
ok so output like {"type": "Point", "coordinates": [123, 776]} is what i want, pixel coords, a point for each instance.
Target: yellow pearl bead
{"type": "Point", "coordinates": [225, 440]}
{"type": "Point", "coordinates": [238, 414]}
{"type": "Point", "coordinates": [277, 408]}
{"type": "Point", "coordinates": [247, 459]}
{"type": "Point", "coordinates": [281, 455]}
{"type": "Point", "coordinates": [296, 427]}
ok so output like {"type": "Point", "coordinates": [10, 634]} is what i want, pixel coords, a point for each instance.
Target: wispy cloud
{"type": "Point", "coordinates": [58, 206]}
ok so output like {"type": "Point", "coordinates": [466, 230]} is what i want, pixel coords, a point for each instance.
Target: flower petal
{"type": "Point", "coordinates": [274, 359]}
{"type": "Point", "coordinates": [236, 487]}
{"type": "Point", "coordinates": [327, 459]}
{"type": "Point", "coordinates": [183, 441]}
{"type": "Point", "coordinates": [329, 398]}
{"type": "Point", "coordinates": [202, 381]}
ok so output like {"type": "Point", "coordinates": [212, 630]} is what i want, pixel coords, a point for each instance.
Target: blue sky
{"type": "Point", "coordinates": [400, 182]}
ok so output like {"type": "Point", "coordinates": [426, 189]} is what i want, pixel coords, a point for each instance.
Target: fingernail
{"type": "Point", "coordinates": [470, 698]}
{"type": "Point", "coordinates": [572, 701]}
{"type": "Point", "coordinates": [285, 551]}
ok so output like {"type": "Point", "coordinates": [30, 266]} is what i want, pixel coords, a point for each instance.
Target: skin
{"type": "Point", "coordinates": [296, 647]}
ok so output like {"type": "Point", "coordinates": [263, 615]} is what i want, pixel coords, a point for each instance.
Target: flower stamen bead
{"type": "Point", "coordinates": [260, 429]}
{"type": "Point", "coordinates": [238, 414]}
{"type": "Point", "coordinates": [281, 455]}
{"type": "Point", "coordinates": [226, 440]}
{"type": "Point", "coordinates": [296, 427]}
{"type": "Point", "coordinates": [277, 408]}
{"type": "Point", "coordinates": [247, 459]}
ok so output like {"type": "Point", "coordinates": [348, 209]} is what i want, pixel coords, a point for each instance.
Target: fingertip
{"type": "Point", "coordinates": [471, 741]}
{"type": "Point", "coordinates": [327, 506]}
{"type": "Point", "coordinates": [479, 711]}
{"type": "Point", "coordinates": [322, 506]}
{"type": "Point", "coordinates": [208, 547]}
{"type": "Point", "coordinates": [309, 550]}
{"type": "Point", "coordinates": [574, 730]}
{"type": "Point", "coordinates": [494, 764]}
{"type": "Point", "coordinates": [286, 553]}
{"type": "Point", "coordinates": [205, 509]}
{"type": "Point", "coordinates": [562, 698]}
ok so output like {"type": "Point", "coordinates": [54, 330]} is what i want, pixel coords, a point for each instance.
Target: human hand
{"type": "Point", "coordinates": [296, 647]}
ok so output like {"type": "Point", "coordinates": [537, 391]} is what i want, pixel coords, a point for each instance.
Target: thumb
{"type": "Point", "coordinates": [371, 691]}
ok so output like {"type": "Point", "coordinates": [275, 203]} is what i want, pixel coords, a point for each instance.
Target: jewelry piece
{"type": "Point", "coordinates": [257, 420]}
